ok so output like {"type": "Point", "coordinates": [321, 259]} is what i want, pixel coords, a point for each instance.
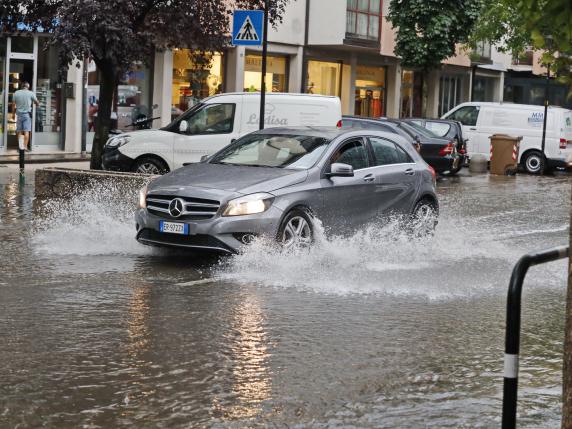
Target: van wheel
{"type": "Point", "coordinates": [296, 230]}
{"type": "Point", "coordinates": [534, 162]}
{"type": "Point", "coordinates": [148, 165]}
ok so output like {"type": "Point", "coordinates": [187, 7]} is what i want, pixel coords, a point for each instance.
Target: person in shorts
{"type": "Point", "coordinates": [23, 99]}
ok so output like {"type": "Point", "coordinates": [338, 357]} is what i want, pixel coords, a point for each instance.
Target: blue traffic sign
{"type": "Point", "coordinates": [247, 27]}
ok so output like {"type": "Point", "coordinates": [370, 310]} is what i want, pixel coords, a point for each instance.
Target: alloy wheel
{"type": "Point", "coordinates": [148, 168]}
{"type": "Point", "coordinates": [297, 233]}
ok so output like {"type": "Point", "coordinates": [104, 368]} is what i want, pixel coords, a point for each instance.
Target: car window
{"type": "Point", "coordinates": [467, 115]}
{"type": "Point", "coordinates": [272, 150]}
{"type": "Point", "coordinates": [417, 122]}
{"type": "Point", "coordinates": [387, 153]}
{"type": "Point", "coordinates": [212, 119]}
{"type": "Point", "coordinates": [352, 153]}
{"type": "Point", "coordinates": [439, 128]}
{"type": "Point", "coordinates": [348, 124]}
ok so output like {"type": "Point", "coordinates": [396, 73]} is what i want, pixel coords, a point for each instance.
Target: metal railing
{"type": "Point", "coordinates": [512, 341]}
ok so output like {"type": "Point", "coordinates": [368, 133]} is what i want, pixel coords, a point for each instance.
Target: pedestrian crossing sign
{"type": "Point", "coordinates": [247, 27]}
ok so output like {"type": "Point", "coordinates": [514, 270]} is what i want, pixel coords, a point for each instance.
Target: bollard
{"type": "Point", "coordinates": [512, 339]}
{"type": "Point", "coordinates": [478, 164]}
{"type": "Point", "coordinates": [21, 154]}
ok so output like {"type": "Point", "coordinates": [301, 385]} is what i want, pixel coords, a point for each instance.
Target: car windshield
{"type": "Point", "coordinates": [418, 129]}
{"type": "Point", "coordinates": [272, 150]}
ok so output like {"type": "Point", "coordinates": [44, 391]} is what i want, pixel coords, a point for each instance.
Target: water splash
{"type": "Point", "coordinates": [381, 259]}
{"type": "Point", "coordinates": [97, 221]}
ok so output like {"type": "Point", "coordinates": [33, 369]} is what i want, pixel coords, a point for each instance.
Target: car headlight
{"type": "Point", "coordinates": [250, 204]}
{"type": "Point", "coordinates": [143, 197]}
{"type": "Point", "coordinates": [115, 142]}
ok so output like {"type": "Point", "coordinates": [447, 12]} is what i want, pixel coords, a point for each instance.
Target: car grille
{"type": "Point", "coordinates": [195, 208]}
{"type": "Point", "coordinates": [199, 241]}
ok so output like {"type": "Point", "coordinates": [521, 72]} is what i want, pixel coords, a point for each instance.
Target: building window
{"type": "Point", "coordinates": [276, 75]}
{"type": "Point", "coordinates": [363, 19]}
{"type": "Point", "coordinates": [524, 59]}
{"type": "Point", "coordinates": [194, 80]}
{"type": "Point", "coordinates": [324, 78]}
{"type": "Point", "coordinates": [370, 91]}
{"type": "Point", "coordinates": [481, 53]}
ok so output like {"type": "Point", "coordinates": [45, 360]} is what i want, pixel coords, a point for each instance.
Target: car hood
{"type": "Point", "coordinates": [148, 135]}
{"type": "Point", "coordinates": [230, 178]}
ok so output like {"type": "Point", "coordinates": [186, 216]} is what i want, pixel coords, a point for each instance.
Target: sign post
{"type": "Point", "coordinates": [247, 28]}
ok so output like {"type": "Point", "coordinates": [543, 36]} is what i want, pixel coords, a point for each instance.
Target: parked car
{"type": "Point", "coordinates": [274, 182]}
{"type": "Point", "coordinates": [446, 128]}
{"type": "Point", "coordinates": [481, 120]}
{"type": "Point", "coordinates": [213, 124]}
{"type": "Point", "coordinates": [440, 153]}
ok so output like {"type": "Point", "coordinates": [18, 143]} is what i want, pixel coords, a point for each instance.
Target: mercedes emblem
{"type": "Point", "coordinates": [176, 207]}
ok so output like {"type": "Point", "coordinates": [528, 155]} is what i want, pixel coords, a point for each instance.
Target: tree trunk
{"type": "Point", "coordinates": [107, 86]}
{"type": "Point", "coordinates": [567, 369]}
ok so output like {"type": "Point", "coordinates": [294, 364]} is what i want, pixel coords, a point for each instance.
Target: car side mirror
{"type": "Point", "coordinates": [183, 127]}
{"type": "Point", "coordinates": [204, 158]}
{"type": "Point", "coordinates": [338, 169]}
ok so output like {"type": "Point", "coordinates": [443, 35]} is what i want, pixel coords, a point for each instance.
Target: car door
{"type": "Point", "coordinates": [208, 130]}
{"type": "Point", "coordinates": [346, 201]}
{"type": "Point", "coordinates": [396, 177]}
{"type": "Point", "coordinates": [468, 116]}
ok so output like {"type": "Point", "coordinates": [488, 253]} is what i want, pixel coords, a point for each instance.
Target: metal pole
{"type": "Point", "coordinates": [512, 339]}
{"type": "Point", "coordinates": [21, 153]}
{"type": "Point", "coordinates": [84, 107]}
{"type": "Point", "coordinates": [546, 95]}
{"type": "Point", "coordinates": [264, 55]}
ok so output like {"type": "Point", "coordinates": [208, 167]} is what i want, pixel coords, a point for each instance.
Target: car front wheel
{"type": "Point", "coordinates": [296, 230]}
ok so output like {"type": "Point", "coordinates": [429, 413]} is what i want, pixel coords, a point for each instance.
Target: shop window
{"type": "Point", "coordinates": [324, 78]}
{"type": "Point", "coordinates": [132, 97]}
{"type": "Point", "coordinates": [450, 93]}
{"type": "Point", "coordinates": [370, 91]}
{"type": "Point", "coordinates": [363, 18]}
{"type": "Point", "coordinates": [411, 94]}
{"type": "Point", "coordinates": [276, 73]}
{"type": "Point", "coordinates": [49, 93]}
{"type": "Point", "coordinates": [194, 78]}
{"type": "Point", "coordinates": [2, 71]}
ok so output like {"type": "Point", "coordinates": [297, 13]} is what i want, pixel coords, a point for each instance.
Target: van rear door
{"type": "Point", "coordinates": [468, 116]}
{"type": "Point", "coordinates": [566, 133]}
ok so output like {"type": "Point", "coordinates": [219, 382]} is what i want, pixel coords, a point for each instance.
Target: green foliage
{"type": "Point", "coordinates": [428, 30]}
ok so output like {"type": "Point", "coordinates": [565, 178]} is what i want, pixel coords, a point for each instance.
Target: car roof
{"type": "Point", "coordinates": [329, 133]}
{"type": "Point", "coordinates": [377, 120]}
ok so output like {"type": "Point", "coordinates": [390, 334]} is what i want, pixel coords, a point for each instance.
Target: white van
{"type": "Point", "coordinates": [213, 124]}
{"type": "Point", "coordinates": [481, 120]}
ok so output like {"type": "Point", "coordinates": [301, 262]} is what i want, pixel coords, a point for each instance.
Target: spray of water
{"type": "Point", "coordinates": [97, 221]}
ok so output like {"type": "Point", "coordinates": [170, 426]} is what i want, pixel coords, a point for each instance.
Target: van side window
{"type": "Point", "coordinates": [467, 115]}
{"type": "Point", "coordinates": [212, 119]}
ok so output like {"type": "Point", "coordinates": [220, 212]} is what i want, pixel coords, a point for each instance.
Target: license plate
{"type": "Point", "coordinates": [174, 227]}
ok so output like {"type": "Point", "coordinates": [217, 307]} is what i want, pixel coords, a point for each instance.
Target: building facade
{"type": "Point", "coordinates": [343, 48]}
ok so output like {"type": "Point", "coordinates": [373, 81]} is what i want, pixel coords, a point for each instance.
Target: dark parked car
{"type": "Point", "coordinates": [446, 128]}
{"type": "Point", "coordinates": [440, 153]}
{"type": "Point", "coordinates": [272, 182]}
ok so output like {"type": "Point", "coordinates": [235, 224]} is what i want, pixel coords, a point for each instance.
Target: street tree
{"type": "Point", "coordinates": [427, 31]}
{"type": "Point", "coordinates": [117, 34]}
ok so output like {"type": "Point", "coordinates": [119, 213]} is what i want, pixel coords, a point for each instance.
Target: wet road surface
{"type": "Point", "coordinates": [370, 331]}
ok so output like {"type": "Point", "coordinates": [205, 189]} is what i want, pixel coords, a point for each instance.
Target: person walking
{"type": "Point", "coordinates": [23, 99]}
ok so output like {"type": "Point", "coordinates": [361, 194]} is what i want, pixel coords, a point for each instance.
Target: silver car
{"type": "Point", "coordinates": [275, 182]}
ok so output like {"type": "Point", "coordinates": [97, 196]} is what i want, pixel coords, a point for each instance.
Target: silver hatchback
{"type": "Point", "coordinates": [275, 182]}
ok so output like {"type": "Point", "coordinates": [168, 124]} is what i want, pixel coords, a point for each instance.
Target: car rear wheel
{"type": "Point", "coordinates": [534, 162]}
{"type": "Point", "coordinates": [148, 165]}
{"type": "Point", "coordinates": [424, 217]}
{"type": "Point", "coordinates": [296, 230]}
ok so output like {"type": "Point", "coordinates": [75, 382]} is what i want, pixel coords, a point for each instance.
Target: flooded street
{"type": "Point", "coordinates": [371, 331]}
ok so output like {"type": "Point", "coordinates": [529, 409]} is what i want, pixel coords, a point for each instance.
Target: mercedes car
{"type": "Point", "coordinates": [275, 183]}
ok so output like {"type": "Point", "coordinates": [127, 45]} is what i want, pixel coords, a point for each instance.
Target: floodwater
{"type": "Point", "coordinates": [372, 331]}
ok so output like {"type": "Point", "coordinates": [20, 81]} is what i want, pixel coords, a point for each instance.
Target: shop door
{"type": "Point", "coordinates": [20, 70]}
{"type": "Point", "coordinates": [3, 97]}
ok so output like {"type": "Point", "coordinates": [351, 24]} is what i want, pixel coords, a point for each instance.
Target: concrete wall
{"type": "Point", "coordinates": [162, 87]}
{"type": "Point", "coordinates": [74, 111]}
{"type": "Point", "coordinates": [291, 30]}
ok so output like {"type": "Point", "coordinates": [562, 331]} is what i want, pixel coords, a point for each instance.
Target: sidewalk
{"type": "Point", "coordinates": [44, 158]}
